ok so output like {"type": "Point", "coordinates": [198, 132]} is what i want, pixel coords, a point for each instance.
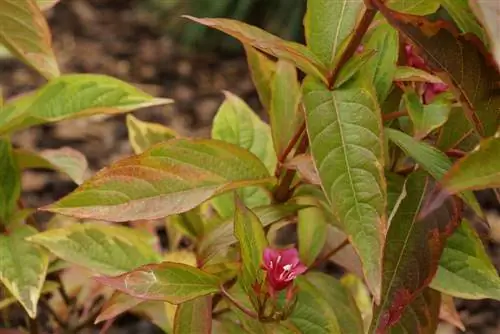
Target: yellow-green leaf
{"type": "Point", "coordinates": [105, 249]}
{"type": "Point", "coordinates": [142, 135]}
{"type": "Point", "coordinates": [345, 135]}
{"type": "Point", "coordinates": [311, 230]}
{"type": "Point", "coordinates": [262, 71]}
{"type": "Point", "coordinates": [72, 96]}
{"type": "Point", "coordinates": [464, 18]}
{"type": "Point", "coordinates": [23, 267]}
{"type": "Point", "coordinates": [415, 7]}
{"type": "Point", "coordinates": [10, 181]}
{"type": "Point", "coordinates": [25, 32]}
{"type": "Point", "coordinates": [169, 178]}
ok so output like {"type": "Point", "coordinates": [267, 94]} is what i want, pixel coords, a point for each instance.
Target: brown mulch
{"type": "Point", "coordinates": [112, 37]}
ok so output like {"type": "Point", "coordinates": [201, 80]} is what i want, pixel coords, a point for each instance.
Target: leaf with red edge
{"type": "Point", "coordinates": [172, 282]}
{"type": "Point", "coordinates": [459, 61]}
{"type": "Point", "coordinates": [415, 241]}
{"type": "Point", "coordinates": [456, 129]}
{"type": "Point", "coordinates": [194, 317]}
{"type": "Point", "coordinates": [462, 14]}
{"type": "Point", "coordinates": [298, 54]}
{"type": "Point", "coordinates": [118, 303]}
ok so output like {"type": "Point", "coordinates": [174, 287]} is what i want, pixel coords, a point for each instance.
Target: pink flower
{"type": "Point", "coordinates": [433, 89]}
{"type": "Point", "coordinates": [413, 59]}
{"type": "Point", "coordinates": [282, 267]}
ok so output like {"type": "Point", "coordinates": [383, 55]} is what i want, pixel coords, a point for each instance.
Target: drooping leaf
{"type": "Point", "coordinates": [344, 128]}
{"type": "Point", "coordinates": [435, 162]}
{"type": "Point", "coordinates": [298, 54]}
{"type": "Point", "coordinates": [223, 236]}
{"type": "Point", "coordinates": [237, 124]}
{"type": "Point", "coordinates": [486, 12]}
{"type": "Point", "coordinates": [311, 230]}
{"type": "Point", "coordinates": [449, 313]}
{"type": "Point", "coordinates": [313, 313]}
{"type": "Point", "coordinates": [72, 96]}
{"type": "Point", "coordinates": [415, 7]}
{"type": "Point", "coordinates": [464, 18]}
{"type": "Point", "coordinates": [421, 316]}
{"type": "Point", "coordinates": [23, 267]}
{"type": "Point", "coordinates": [25, 32]}
{"type": "Point", "coordinates": [174, 283]}
{"type": "Point", "coordinates": [459, 62]}
{"type": "Point", "coordinates": [118, 303]}
{"type": "Point", "coordinates": [105, 249]}
{"type": "Point", "coordinates": [382, 66]}
{"type": "Point", "coordinates": [194, 316]}
{"type": "Point", "coordinates": [345, 308]}
{"type": "Point", "coordinates": [413, 246]}
{"type": "Point", "coordinates": [353, 66]}
{"type": "Point", "coordinates": [465, 269]}
{"type": "Point", "coordinates": [142, 135]}
{"type": "Point", "coordinates": [284, 114]}
{"type": "Point", "coordinates": [65, 159]}
{"type": "Point", "coordinates": [478, 170]}
{"type": "Point", "coordinates": [407, 73]}
{"type": "Point", "coordinates": [426, 118]}
{"type": "Point", "coordinates": [169, 178]}
{"type": "Point", "coordinates": [456, 129]}
{"type": "Point", "coordinates": [250, 234]}
{"type": "Point", "coordinates": [10, 181]}
{"type": "Point", "coordinates": [328, 24]}
{"type": "Point", "coordinates": [262, 70]}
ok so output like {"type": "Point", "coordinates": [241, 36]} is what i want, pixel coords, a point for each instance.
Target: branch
{"type": "Point", "coordinates": [454, 153]}
{"type": "Point", "coordinates": [292, 142]}
{"type": "Point", "coordinates": [393, 115]}
{"type": "Point", "coordinates": [355, 41]}
{"type": "Point", "coordinates": [329, 254]}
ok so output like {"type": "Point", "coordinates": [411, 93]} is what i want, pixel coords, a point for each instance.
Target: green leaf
{"type": "Point", "coordinates": [361, 296]}
{"type": "Point", "coordinates": [142, 135]}
{"type": "Point", "coordinates": [353, 66]}
{"type": "Point", "coordinates": [23, 267]}
{"type": "Point", "coordinates": [460, 63]}
{"type": "Point", "coordinates": [464, 18]}
{"type": "Point", "coordinates": [250, 234]}
{"type": "Point", "coordinates": [340, 300]}
{"type": "Point", "coordinates": [223, 236]}
{"type": "Point", "coordinates": [345, 129]}
{"type": "Point", "coordinates": [72, 96]}
{"type": "Point", "coordinates": [381, 68]}
{"type": "Point", "coordinates": [421, 316]}
{"type": "Point", "coordinates": [298, 54]}
{"type": "Point", "coordinates": [262, 70]}
{"type": "Point", "coordinates": [174, 283]}
{"type": "Point", "coordinates": [189, 223]}
{"type": "Point", "coordinates": [46, 4]}
{"type": "Point", "coordinates": [194, 316]}
{"type": "Point", "coordinates": [407, 73]}
{"type": "Point", "coordinates": [48, 288]}
{"type": "Point", "coordinates": [10, 181]}
{"type": "Point", "coordinates": [311, 230]}
{"type": "Point", "coordinates": [65, 160]}
{"type": "Point", "coordinates": [25, 32]}
{"type": "Point", "coordinates": [415, 7]}
{"type": "Point", "coordinates": [426, 118]}
{"type": "Point", "coordinates": [395, 192]}
{"type": "Point", "coordinates": [327, 24]}
{"type": "Point", "coordinates": [486, 12]}
{"type": "Point", "coordinates": [456, 129]}
{"type": "Point", "coordinates": [480, 169]}
{"type": "Point", "coordinates": [105, 249]}
{"type": "Point", "coordinates": [237, 124]}
{"type": "Point", "coordinates": [465, 269]}
{"type": "Point", "coordinates": [169, 178]}
{"type": "Point", "coordinates": [413, 246]}
{"type": "Point", "coordinates": [313, 313]}
{"type": "Point", "coordinates": [284, 115]}
{"type": "Point", "coordinates": [435, 162]}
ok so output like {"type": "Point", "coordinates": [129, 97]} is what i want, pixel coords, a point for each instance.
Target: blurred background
{"type": "Point", "coordinates": [148, 44]}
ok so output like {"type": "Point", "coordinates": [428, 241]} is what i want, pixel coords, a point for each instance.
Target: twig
{"type": "Point", "coordinates": [43, 303]}
{"type": "Point", "coordinates": [292, 142]}
{"type": "Point", "coordinates": [329, 254]}
{"type": "Point", "coordinates": [454, 153]}
{"type": "Point", "coordinates": [96, 309]}
{"type": "Point", "coordinates": [62, 291]}
{"type": "Point", "coordinates": [393, 115]}
{"type": "Point", "coordinates": [236, 303]}
{"type": "Point", "coordinates": [33, 326]}
{"type": "Point", "coordinates": [359, 33]}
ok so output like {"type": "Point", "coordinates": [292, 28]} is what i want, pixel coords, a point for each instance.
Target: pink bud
{"type": "Point", "coordinates": [282, 267]}
{"type": "Point", "coordinates": [433, 89]}
{"type": "Point", "coordinates": [413, 59]}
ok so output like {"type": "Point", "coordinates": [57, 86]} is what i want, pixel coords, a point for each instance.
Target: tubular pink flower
{"type": "Point", "coordinates": [282, 267]}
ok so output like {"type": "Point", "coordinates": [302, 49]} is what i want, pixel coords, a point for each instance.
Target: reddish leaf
{"type": "Point", "coordinates": [448, 312]}
{"type": "Point", "coordinates": [118, 303]}
{"type": "Point", "coordinates": [458, 60]}
{"type": "Point", "coordinates": [415, 240]}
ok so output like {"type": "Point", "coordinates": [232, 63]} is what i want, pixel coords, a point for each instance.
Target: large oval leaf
{"type": "Point", "coordinates": [345, 131]}
{"type": "Point", "coordinates": [25, 32]}
{"type": "Point", "coordinates": [73, 96]}
{"type": "Point", "coordinates": [465, 269]}
{"type": "Point", "coordinates": [169, 178]}
{"type": "Point", "coordinates": [23, 267]}
{"type": "Point", "coordinates": [107, 250]}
